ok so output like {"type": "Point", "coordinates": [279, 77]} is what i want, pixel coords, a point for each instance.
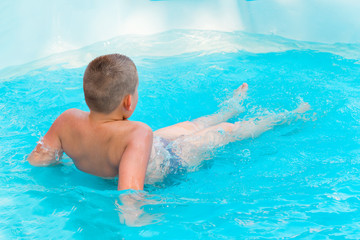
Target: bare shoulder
{"type": "Point", "coordinates": [131, 137]}
{"type": "Point", "coordinates": [141, 126]}
{"type": "Point", "coordinates": [70, 115]}
{"type": "Point", "coordinates": [68, 118]}
{"type": "Point", "coordinates": [127, 132]}
{"type": "Point", "coordinates": [133, 133]}
{"type": "Point", "coordinates": [141, 131]}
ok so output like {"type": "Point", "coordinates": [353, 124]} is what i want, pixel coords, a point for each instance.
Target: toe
{"type": "Point", "coordinates": [244, 86]}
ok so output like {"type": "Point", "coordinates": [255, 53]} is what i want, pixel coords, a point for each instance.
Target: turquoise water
{"type": "Point", "coordinates": [299, 180]}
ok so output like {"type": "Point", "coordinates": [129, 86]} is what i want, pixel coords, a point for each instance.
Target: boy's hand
{"type": "Point", "coordinates": [134, 161]}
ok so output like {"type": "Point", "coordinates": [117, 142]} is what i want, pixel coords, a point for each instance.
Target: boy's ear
{"type": "Point", "coordinates": [127, 102]}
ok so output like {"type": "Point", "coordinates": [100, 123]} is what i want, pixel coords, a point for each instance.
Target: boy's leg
{"type": "Point", "coordinates": [230, 108]}
{"type": "Point", "coordinates": [192, 148]}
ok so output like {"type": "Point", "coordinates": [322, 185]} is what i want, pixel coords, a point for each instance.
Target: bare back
{"type": "Point", "coordinates": [95, 148]}
{"type": "Point", "coordinates": [105, 148]}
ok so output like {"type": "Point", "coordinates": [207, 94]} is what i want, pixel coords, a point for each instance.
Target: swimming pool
{"type": "Point", "coordinates": [298, 180]}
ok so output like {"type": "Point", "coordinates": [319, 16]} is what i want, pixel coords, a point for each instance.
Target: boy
{"type": "Point", "coordinates": [103, 142]}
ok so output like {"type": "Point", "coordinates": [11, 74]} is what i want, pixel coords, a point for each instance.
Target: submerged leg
{"type": "Point", "coordinates": [192, 148]}
{"type": "Point", "coordinates": [229, 109]}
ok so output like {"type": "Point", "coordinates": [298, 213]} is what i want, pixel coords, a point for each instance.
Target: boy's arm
{"type": "Point", "coordinates": [48, 151]}
{"type": "Point", "coordinates": [134, 161]}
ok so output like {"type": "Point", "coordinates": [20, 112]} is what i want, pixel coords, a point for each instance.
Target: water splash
{"type": "Point", "coordinates": [177, 42]}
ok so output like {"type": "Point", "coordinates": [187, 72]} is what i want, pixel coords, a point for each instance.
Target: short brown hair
{"type": "Point", "coordinates": [107, 80]}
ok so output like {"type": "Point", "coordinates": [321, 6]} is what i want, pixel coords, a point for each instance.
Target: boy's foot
{"type": "Point", "coordinates": [233, 105]}
{"type": "Point", "coordinates": [238, 95]}
{"type": "Point", "coordinates": [303, 107]}
{"type": "Point", "coordinates": [241, 91]}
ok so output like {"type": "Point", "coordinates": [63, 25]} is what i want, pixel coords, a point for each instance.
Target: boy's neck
{"type": "Point", "coordinates": [110, 117]}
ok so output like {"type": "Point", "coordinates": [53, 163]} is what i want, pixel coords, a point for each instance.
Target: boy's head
{"type": "Point", "coordinates": [107, 80]}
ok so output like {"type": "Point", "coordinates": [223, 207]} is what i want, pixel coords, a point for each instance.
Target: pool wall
{"type": "Point", "coordinates": [35, 29]}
